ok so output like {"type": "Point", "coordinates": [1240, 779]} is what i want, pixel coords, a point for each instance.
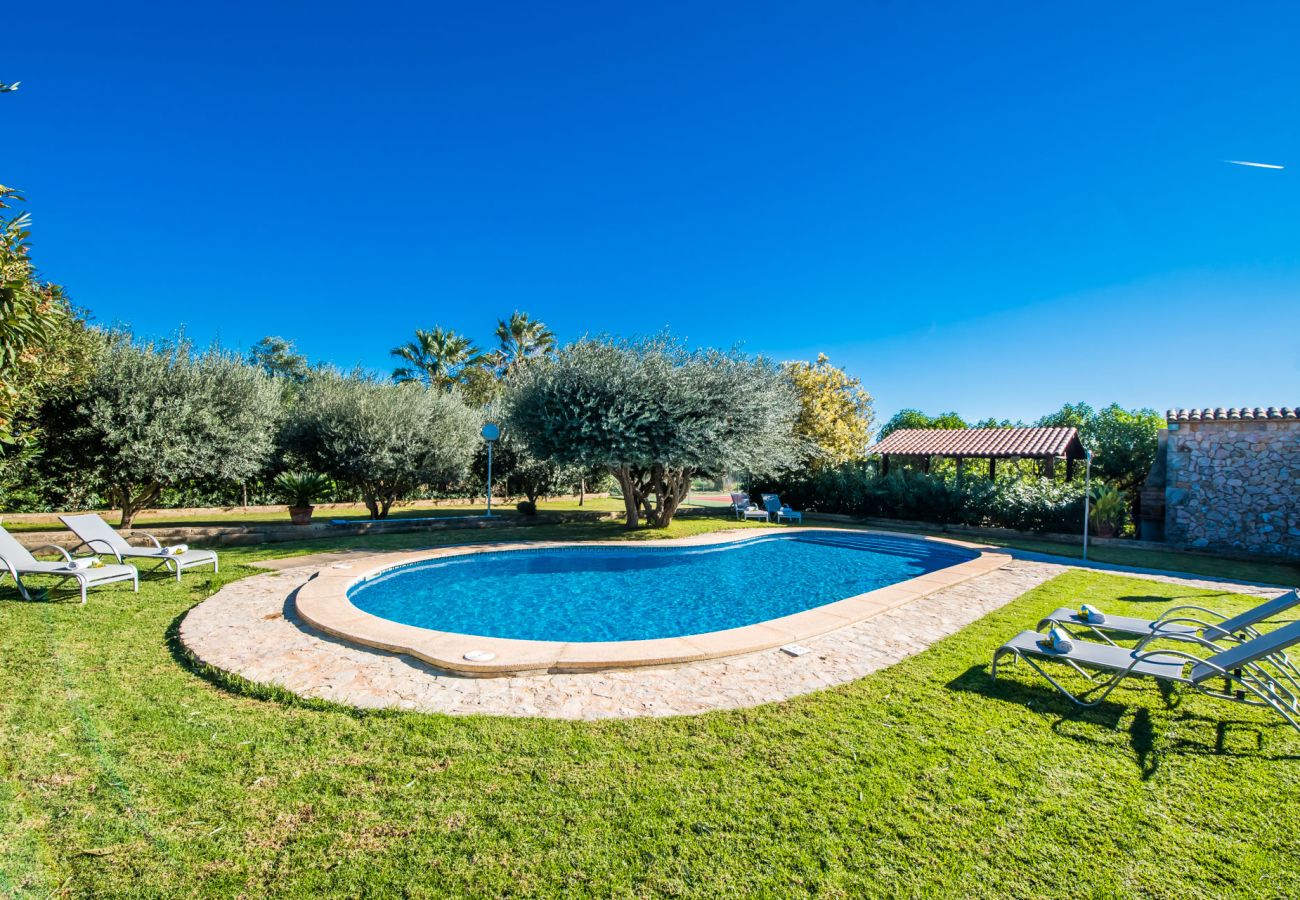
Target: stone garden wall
{"type": "Point", "coordinates": [1234, 485]}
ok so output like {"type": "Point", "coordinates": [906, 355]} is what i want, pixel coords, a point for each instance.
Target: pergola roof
{"type": "Point", "coordinates": [982, 443]}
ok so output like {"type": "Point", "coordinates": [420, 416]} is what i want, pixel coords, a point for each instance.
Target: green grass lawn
{"type": "Point", "coordinates": [124, 772]}
{"type": "Point", "coordinates": [1261, 570]}
{"type": "Point", "coordinates": [165, 518]}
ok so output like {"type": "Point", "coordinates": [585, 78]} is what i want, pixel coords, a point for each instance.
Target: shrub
{"type": "Point", "coordinates": [1030, 504]}
{"type": "Point", "coordinates": [527, 507]}
{"type": "Point", "coordinates": [1035, 504]}
{"type": "Point", "coordinates": [1109, 509]}
{"type": "Point", "coordinates": [303, 488]}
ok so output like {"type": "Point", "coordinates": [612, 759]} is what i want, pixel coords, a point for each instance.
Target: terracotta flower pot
{"type": "Point", "coordinates": [300, 515]}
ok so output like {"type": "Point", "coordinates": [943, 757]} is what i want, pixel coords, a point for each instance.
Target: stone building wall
{"type": "Point", "coordinates": [1233, 483]}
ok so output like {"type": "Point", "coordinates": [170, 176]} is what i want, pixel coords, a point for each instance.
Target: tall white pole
{"type": "Point", "coordinates": [489, 484]}
{"type": "Point", "coordinates": [1087, 498]}
{"type": "Point", "coordinates": [491, 432]}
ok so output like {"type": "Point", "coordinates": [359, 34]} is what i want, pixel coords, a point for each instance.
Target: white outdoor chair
{"type": "Point", "coordinates": [17, 561]}
{"type": "Point", "coordinates": [775, 508]}
{"type": "Point", "coordinates": [744, 509]}
{"type": "Point", "coordinates": [98, 535]}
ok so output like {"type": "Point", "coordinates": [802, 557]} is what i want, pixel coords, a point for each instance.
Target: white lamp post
{"type": "Point", "coordinates": [1087, 498]}
{"type": "Point", "coordinates": [490, 434]}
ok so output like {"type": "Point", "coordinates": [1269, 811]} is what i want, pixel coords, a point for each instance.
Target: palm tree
{"type": "Point", "coordinates": [437, 358]}
{"type": "Point", "coordinates": [522, 339]}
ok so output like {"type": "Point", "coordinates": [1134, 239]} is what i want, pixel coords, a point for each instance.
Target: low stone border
{"type": "Point", "coordinates": [323, 603]}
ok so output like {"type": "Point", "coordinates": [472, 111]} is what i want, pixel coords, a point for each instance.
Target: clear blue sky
{"type": "Point", "coordinates": [993, 208]}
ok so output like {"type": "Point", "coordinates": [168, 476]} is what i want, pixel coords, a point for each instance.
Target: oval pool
{"type": "Point", "coordinates": [628, 593]}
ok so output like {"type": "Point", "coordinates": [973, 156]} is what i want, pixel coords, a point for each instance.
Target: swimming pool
{"type": "Point", "coordinates": [590, 600]}
{"type": "Point", "coordinates": [579, 594]}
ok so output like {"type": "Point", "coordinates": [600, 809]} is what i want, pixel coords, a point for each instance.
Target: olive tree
{"type": "Point", "coordinates": [517, 470]}
{"type": "Point", "coordinates": [655, 414]}
{"type": "Point", "coordinates": [383, 439]}
{"type": "Point", "coordinates": [153, 416]}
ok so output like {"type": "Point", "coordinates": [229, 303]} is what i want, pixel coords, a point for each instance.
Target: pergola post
{"type": "Point", "coordinates": [1069, 468]}
{"type": "Point", "coordinates": [884, 464]}
{"type": "Point", "coordinates": [993, 468]}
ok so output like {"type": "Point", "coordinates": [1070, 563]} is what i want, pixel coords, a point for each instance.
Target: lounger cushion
{"type": "Point", "coordinates": [189, 557]}
{"type": "Point", "coordinates": [1123, 624]}
{"type": "Point", "coordinates": [1098, 656]}
{"type": "Point", "coordinates": [40, 567]}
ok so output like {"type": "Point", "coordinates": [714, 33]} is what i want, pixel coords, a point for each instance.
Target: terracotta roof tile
{"type": "Point", "coordinates": [1219, 414]}
{"type": "Point", "coordinates": [981, 442]}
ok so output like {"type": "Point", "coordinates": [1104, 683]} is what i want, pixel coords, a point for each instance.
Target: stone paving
{"type": "Point", "coordinates": [249, 628]}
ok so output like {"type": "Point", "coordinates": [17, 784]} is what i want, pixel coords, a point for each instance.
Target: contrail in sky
{"type": "Point", "coordinates": [1242, 162]}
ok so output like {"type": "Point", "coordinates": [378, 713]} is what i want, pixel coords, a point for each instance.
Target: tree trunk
{"type": "Point", "coordinates": [131, 505]}
{"type": "Point", "coordinates": [631, 500]}
{"type": "Point", "coordinates": [372, 505]}
{"type": "Point", "coordinates": [670, 487]}
{"type": "Point", "coordinates": [582, 491]}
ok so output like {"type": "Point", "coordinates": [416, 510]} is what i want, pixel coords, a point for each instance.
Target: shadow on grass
{"type": "Point", "coordinates": [45, 593]}
{"type": "Point", "coordinates": [1175, 599]}
{"type": "Point", "coordinates": [1039, 698]}
{"type": "Point", "coordinates": [1142, 738]}
{"type": "Point", "coordinates": [1148, 742]}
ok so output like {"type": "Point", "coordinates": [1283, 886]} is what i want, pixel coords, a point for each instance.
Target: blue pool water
{"type": "Point", "coordinates": [630, 593]}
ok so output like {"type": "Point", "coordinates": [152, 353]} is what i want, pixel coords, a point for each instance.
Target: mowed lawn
{"type": "Point", "coordinates": [414, 510]}
{"type": "Point", "coordinates": [126, 772]}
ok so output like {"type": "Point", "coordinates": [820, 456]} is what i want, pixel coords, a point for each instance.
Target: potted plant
{"type": "Point", "coordinates": [1109, 507]}
{"type": "Point", "coordinates": [300, 490]}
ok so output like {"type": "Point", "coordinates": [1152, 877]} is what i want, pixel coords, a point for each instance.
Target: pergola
{"type": "Point", "coordinates": [961, 444]}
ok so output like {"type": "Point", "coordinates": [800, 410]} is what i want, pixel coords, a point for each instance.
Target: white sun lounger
{"type": "Point", "coordinates": [744, 509]}
{"type": "Point", "coordinates": [1180, 620]}
{"type": "Point", "coordinates": [99, 536]}
{"type": "Point", "coordinates": [1184, 623]}
{"type": "Point", "coordinates": [772, 503]}
{"type": "Point", "coordinates": [1248, 670]}
{"type": "Point", "coordinates": [17, 561]}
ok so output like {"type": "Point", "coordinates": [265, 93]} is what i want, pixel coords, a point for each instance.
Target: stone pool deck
{"type": "Point", "coordinates": [250, 628]}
